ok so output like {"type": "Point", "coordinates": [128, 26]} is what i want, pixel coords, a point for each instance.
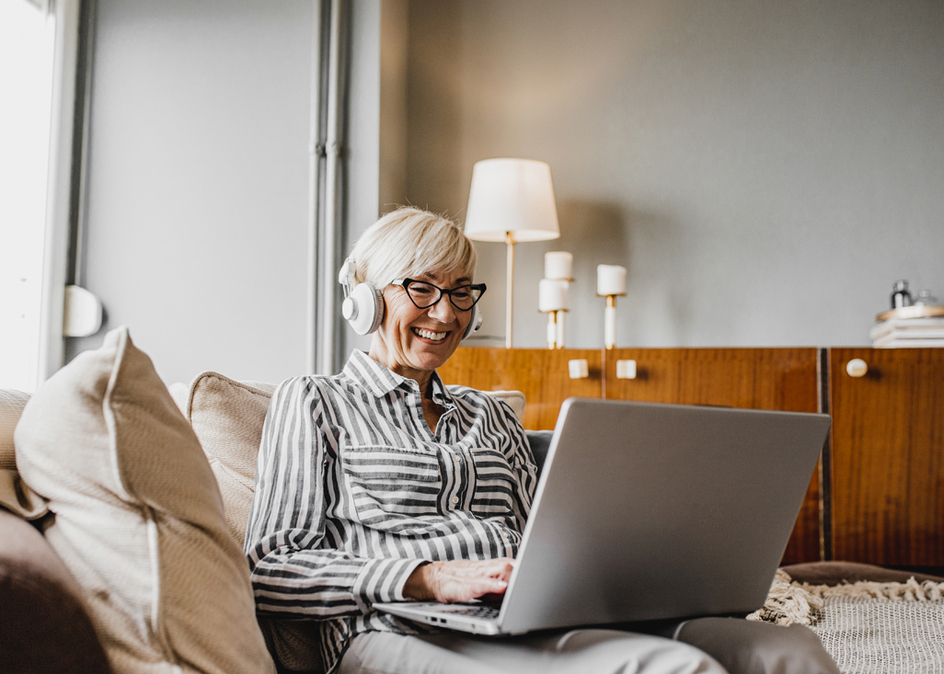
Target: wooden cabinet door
{"type": "Point", "coordinates": [887, 455]}
{"type": "Point", "coordinates": [772, 379]}
{"type": "Point", "coordinates": [541, 374]}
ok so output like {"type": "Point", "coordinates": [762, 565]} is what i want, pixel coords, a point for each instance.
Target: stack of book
{"type": "Point", "coordinates": [902, 328]}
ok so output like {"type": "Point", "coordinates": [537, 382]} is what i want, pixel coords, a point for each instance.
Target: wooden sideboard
{"type": "Point", "coordinates": [878, 493]}
{"type": "Point", "coordinates": [886, 459]}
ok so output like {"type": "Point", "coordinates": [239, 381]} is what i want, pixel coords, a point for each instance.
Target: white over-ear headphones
{"type": "Point", "coordinates": [363, 305]}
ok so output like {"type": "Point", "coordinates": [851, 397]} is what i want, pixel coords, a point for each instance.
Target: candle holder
{"type": "Point", "coordinates": [609, 321]}
{"type": "Point", "coordinates": [555, 328]}
{"type": "Point", "coordinates": [552, 300]}
{"type": "Point", "coordinates": [611, 283]}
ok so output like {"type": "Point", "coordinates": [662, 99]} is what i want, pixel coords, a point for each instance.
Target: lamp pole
{"type": "Point", "coordinates": [509, 287]}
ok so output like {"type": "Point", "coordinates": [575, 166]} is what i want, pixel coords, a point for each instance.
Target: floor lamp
{"type": "Point", "coordinates": [511, 200]}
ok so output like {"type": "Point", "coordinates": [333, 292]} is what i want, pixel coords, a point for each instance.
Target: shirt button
{"type": "Point", "coordinates": [455, 500]}
{"type": "Point", "coordinates": [456, 457]}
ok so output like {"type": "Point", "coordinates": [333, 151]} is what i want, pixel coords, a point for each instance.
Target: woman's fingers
{"type": "Point", "coordinates": [459, 580]}
{"type": "Point", "coordinates": [501, 565]}
{"type": "Point", "coordinates": [463, 581]}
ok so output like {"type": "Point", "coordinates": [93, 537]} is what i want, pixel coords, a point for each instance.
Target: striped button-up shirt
{"type": "Point", "coordinates": [354, 491]}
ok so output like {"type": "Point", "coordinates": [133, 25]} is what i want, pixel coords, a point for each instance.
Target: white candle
{"type": "Point", "coordinates": [609, 326]}
{"type": "Point", "coordinates": [611, 280]}
{"type": "Point", "coordinates": [558, 265]}
{"type": "Point", "coordinates": [552, 294]}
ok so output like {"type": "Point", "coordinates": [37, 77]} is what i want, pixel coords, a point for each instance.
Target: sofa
{"type": "Point", "coordinates": [123, 505]}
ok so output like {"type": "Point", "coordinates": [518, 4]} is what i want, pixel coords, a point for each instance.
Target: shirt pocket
{"type": "Point", "coordinates": [393, 489]}
{"type": "Point", "coordinates": [495, 484]}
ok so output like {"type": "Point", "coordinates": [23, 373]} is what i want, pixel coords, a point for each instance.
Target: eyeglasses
{"type": "Point", "coordinates": [424, 295]}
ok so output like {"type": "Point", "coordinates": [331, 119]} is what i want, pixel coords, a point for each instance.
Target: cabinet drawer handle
{"type": "Point", "coordinates": [578, 369]}
{"type": "Point", "coordinates": [856, 367]}
{"type": "Point", "coordinates": [626, 369]}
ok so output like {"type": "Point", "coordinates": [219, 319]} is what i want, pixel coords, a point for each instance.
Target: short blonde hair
{"type": "Point", "coordinates": [409, 242]}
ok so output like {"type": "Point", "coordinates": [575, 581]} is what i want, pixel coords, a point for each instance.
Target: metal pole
{"type": "Point", "coordinates": [315, 153]}
{"type": "Point", "coordinates": [59, 191]}
{"type": "Point", "coordinates": [329, 280]}
{"type": "Point", "coordinates": [509, 289]}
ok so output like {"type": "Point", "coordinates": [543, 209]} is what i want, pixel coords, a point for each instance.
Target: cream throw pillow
{"type": "Point", "coordinates": [138, 517]}
{"type": "Point", "coordinates": [227, 417]}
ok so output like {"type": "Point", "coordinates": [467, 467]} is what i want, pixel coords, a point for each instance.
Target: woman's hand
{"type": "Point", "coordinates": [460, 580]}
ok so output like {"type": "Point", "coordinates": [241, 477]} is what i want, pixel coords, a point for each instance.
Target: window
{"type": "Point", "coordinates": [27, 43]}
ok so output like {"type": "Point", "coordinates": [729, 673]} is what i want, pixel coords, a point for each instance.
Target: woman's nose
{"type": "Point", "coordinates": [443, 311]}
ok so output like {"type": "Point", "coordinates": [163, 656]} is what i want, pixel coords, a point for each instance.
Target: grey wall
{"type": "Point", "coordinates": [197, 177]}
{"type": "Point", "coordinates": [764, 170]}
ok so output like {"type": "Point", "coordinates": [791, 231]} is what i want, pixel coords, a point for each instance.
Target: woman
{"type": "Point", "coordinates": [382, 484]}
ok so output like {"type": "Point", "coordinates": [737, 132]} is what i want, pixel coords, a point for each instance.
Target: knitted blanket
{"type": "Point", "coordinates": [866, 627]}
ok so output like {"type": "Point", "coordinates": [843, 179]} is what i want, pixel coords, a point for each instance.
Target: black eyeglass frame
{"type": "Point", "coordinates": [405, 284]}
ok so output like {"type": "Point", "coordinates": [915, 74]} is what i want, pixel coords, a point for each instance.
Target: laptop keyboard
{"type": "Point", "coordinates": [471, 610]}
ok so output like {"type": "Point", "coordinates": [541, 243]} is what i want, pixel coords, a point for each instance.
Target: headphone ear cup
{"type": "Point", "coordinates": [474, 324]}
{"type": "Point", "coordinates": [364, 308]}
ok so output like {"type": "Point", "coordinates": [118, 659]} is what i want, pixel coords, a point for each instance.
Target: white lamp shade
{"type": "Point", "coordinates": [511, 195]}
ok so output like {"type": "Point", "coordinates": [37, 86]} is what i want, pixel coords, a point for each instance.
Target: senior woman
{"type": "Point", "coordinates": [383, 484]}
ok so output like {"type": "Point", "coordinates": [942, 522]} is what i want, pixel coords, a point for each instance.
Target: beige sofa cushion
{"type": "Point", "coordinates": [11, 407]}
{"type": "Point", "coordinates": [138, 517]}
{"type": "Point", "coordinates": [515, 400]}
{"type": "Point", "coordinates": [227, 417]}
{"type": "Point", "coordinates": [15, 495]}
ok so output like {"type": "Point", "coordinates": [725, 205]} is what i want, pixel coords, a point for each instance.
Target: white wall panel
{"type": "Point", "coordinates": [197, 183]}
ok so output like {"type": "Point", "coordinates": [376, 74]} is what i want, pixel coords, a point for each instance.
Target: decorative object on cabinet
{"type": "Point", "coordinates": [611, 283]}
{"type": "Point", "coordinates": [901, 296]}
{"type": "Point", "coordinates": [552, 300]}
{"type": "Point", "coordinates": [511, 200]}
{"type": "Point", "coordinates": [924, 298]}
{"type": "Point", "coordinates": [919, 325]}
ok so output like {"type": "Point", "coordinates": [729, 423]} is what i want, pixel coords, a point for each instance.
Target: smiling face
{"type": "Point", "coordinates": [413, 342]}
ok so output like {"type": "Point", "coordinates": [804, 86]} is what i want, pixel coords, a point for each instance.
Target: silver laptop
{"type": "Point", "coordinates": [646, 512]}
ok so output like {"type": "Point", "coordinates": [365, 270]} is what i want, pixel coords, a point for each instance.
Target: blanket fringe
{"type": "Point", "coordinates": [789, 602]}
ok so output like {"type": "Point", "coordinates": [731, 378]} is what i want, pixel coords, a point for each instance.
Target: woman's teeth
{"type": "Point", "coordinates": [428, 334]}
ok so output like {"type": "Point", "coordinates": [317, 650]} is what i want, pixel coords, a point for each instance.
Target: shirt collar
{"type": "Point", "coordinates": [381, 380]}
{"type": "Point", "coordinates": [378, 379]}
{"type": "Point", "coordinates": [441, 395]}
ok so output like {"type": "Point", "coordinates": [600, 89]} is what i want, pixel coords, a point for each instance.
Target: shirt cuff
{"type": "Point", "coordinates": [383, 580]}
